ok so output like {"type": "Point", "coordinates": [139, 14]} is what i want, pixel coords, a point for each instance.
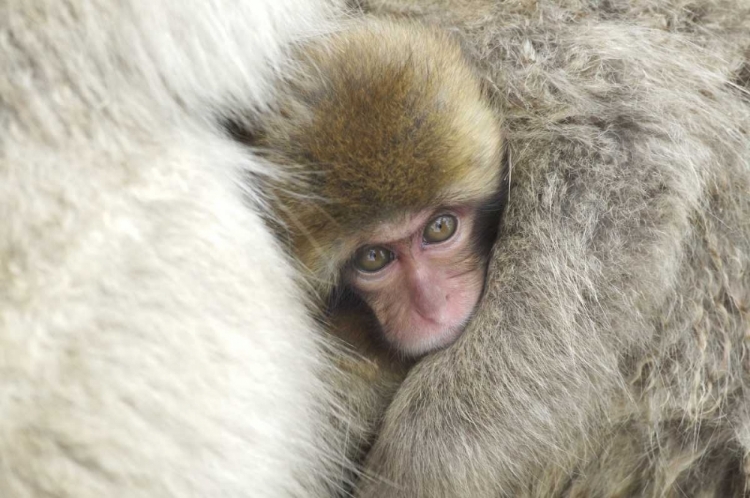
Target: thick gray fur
{"type": "Point", "coordinates": [611, 353]}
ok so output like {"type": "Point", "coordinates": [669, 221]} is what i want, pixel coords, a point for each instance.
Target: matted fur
{"type": "Point", "coordinates": [152, 340]}
{"type": "Point", "coordinates": [609, 356]}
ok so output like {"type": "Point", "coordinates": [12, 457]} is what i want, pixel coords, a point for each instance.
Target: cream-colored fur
{"type": "Point", "coordinates": [152, 341]}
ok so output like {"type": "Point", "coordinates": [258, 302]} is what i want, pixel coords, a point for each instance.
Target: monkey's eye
{"type": "Point", "coordinates": [371, 259]}
{"type": "Point", "coordinates": [440, 229]}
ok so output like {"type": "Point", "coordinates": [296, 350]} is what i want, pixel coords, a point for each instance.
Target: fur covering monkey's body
{"type": "Point", "coordinates": [610, 354]}
{"type": "Point", "coordinates": [153, 343]}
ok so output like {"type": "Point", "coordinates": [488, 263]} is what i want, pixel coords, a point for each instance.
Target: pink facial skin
{"type": "Point", "coordinates": [424, 298]}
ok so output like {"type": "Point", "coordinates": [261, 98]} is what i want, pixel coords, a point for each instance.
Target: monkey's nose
{"type": "Point", "coordinates": [429, 301]}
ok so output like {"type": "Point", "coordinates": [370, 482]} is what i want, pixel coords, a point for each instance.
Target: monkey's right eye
{"type": "Point", "coordinates": [371, 259]}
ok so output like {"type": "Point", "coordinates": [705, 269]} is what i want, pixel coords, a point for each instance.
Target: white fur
{"type": "Point", "coordinates": [152, 342]}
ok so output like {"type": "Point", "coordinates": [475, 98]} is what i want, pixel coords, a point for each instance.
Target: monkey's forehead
{"type": "Point", "coordinates": [399, 140]}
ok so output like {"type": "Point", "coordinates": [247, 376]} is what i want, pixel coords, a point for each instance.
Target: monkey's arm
{"type": "Point", "coordinates": [610, 175]}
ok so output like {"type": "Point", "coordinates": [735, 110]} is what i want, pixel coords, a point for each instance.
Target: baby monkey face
{"type": "Point", "coordinates": [421, 276]}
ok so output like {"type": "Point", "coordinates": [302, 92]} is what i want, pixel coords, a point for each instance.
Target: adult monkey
{"type": "Point", "coordinates": [154, 343]}
{"type": "Point", "coordinates": [609, 355]}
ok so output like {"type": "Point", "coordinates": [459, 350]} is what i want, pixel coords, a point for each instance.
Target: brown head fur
{"type": "Point", "coordinates": [382, 119]}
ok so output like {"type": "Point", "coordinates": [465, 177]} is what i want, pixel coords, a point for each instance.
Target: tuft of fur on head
{"type": "Point", "coordinates": [389, 119]}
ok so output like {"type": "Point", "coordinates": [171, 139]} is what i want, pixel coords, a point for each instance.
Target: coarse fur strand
{"type": "Point", "coordinates": [154, 341]}
{"type": "Point", "coordinates": [609, 356]}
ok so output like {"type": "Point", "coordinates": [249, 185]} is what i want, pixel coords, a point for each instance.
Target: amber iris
{"type": "Point", "coordinates": [373, 258]}
{"type": "Point", "coordinates": [440, 229]}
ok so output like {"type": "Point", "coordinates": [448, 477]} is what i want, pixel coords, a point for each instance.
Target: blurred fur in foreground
{"type": "Point", "coordinates": [154, 341]}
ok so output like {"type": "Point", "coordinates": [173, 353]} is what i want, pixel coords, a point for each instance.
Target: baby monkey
{"type": "Point", "coordinates": [386, 130]}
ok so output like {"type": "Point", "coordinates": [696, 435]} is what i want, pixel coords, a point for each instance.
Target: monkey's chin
{"type": "Point", "coordinates": [426, 339]}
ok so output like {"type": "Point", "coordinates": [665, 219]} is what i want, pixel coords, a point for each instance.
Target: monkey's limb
{"type": "Point", "coordinates": [620, 285]}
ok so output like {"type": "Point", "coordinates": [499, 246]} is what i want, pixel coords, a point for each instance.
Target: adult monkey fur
{"type": "Point", "coordinates": [154, 343]}
{"type": "Point", "coordinates": [609, 355]}
{"type": "Point", "coordinates": [86, 415]}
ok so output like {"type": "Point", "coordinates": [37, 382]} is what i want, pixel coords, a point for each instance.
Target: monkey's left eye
{"type": "Point", "coordinates": [370, 259]}
{"type": "Point", "coordinates": [440, 229]}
